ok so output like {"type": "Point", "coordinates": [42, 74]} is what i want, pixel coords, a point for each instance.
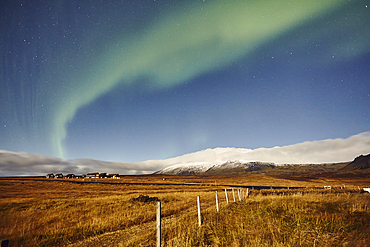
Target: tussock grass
{"type": "Point", "coordinates": [306, 220]}
{"type": "Point", "coordinates": [45, 213]}
{"type": "Point", "coordinates": [50, 213]}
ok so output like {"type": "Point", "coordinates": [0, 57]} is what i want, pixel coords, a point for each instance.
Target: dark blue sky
{"type": "Point", "coordinates": [132, 81]}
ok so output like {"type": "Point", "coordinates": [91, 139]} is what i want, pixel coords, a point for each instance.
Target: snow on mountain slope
{"type": "Point", "coordinates": [227, 168]}
{"type": "Point", "coordinates": [189, 169]}
{"type": "Point", "coordinates": [310, 152]}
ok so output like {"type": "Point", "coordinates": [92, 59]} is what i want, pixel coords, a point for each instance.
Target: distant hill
{"type": "Point", "coordinates": [228, 168]}
{"type": "Point", "coordinates": [237, 168]}
{"type": "Point", "coordinates": [360, 163]}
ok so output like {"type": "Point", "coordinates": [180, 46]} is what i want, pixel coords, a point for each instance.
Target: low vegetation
{"type": "Point", "coordinates": [44, 212]}
{"type": "Point", "coordinates": [297, 220]}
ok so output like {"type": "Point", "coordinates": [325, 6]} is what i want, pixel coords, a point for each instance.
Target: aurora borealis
{"type": "Point", "coordinates": [140, 80]}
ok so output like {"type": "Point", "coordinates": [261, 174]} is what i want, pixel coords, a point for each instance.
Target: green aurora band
{"type": "Point", "coordinates": [180, 46]}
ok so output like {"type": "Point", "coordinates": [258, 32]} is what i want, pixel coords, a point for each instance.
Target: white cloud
{"type": "Point", "coordinates": [312, 152]}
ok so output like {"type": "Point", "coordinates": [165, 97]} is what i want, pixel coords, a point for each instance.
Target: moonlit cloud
{"type": "Point", "coordinates": [20, 163]}
{"type": "Point", "coordinates": [23, 164]}
{"type": "Point", "coordinates": [314, 152]}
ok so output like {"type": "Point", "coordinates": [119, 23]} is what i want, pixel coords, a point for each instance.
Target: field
{"type": "Point", "coordinates": [101, 212]}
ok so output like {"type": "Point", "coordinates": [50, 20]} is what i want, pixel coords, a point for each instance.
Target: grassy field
{"type": "Point", "coordinates": [308, 220]}
{"type": "Point", "coordinates": [51, 212]}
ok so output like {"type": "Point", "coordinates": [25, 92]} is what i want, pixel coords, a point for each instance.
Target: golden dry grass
{"type": "Point", "coordinates": [43, 212]}
{"type": "Point", "coordinates": [57, 213]}
{"type": "Point", "coordinates": [339, 218]}
{"type": "Point", "coordinates": [308, 220]}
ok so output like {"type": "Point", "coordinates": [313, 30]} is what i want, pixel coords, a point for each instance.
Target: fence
{"type": "Point", "coordinates": [242, 195]}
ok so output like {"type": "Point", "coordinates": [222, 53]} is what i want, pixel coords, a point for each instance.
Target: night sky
{"type": "Point", "coordinates": [154, 79]}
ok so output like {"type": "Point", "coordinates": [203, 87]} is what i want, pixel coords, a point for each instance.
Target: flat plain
{"type": "Point", "coordinates": [102, 212]}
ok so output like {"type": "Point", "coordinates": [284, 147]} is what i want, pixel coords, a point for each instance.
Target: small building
{"type": "Point", "coordinates": [70, 176]}
{"type": "Point", "coordinates": [58, 175]}
{"type": "Point", "coordinates": [103, 175]}
{"type": "Point", "coordinates": [79, 176]}
{"type": "Point", "coordinates": [92, 175]}
{"type": "Point", "coordinates": [50, 175]}
{"type": "Point", "coordinates": [114, 176]}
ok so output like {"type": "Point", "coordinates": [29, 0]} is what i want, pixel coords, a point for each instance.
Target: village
{"type": "Point", "coordinates": [83, 176]}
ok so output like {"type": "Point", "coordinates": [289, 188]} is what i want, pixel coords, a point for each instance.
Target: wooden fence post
{"type": "Point", "coordinates": [158, 224]}
{"type": "Point", "coordinates": [217, 202]}
{"type": "Point", "coordinates": [233, 194]}
{"type": "Point", "coordinates": [199, 216]}
{"type": "Point", "coordinates": [247, 193]}
{"type": "Point", "coordinates": [241, 194]}
{"type": "Point", "coordinates": [227, 199]}
{"type": "Point", "coordinates": [4, 242]}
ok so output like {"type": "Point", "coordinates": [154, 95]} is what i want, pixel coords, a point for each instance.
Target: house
{"type": "Point", "coordinates": [92, 175]}
{"type": "Point", "coordinates": [50, 175]}
{"type": "Point", "coordinates": [58, 175]}
{"type": "Point", "coordinates": [79, 176]}
{"type": "Point", "coordinates": [103, 175]}
{"type": "Point", "coordinates": [70, 176]}
{"type": "Point", "coordinates": [114, 176]}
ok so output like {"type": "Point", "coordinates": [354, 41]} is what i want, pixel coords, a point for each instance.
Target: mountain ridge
{"type": "Point", "coordinates": [310, 152]}
{"type": "Point", "coordinates": [361, 162]}
{"type": "Point", "coordinates": [230, 167]}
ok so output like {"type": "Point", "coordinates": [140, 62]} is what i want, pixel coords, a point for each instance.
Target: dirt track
{"type": "Point", "coordinates": [116, 238]}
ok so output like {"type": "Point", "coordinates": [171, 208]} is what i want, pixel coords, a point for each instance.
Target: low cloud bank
{"type": "Point", "coordinates": [23, 164]}
{"type": "Point", "coordinates": [313, 152]}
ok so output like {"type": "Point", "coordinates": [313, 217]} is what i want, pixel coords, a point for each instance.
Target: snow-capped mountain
{"type": "Point", "coordinates": [237, 168]}
{"type": "Point", "coordinates": [230, 167]}
{"type": "Point", "coordinates": [206, 161]}
{"type": "Point", "coordinates": [181, 169]}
